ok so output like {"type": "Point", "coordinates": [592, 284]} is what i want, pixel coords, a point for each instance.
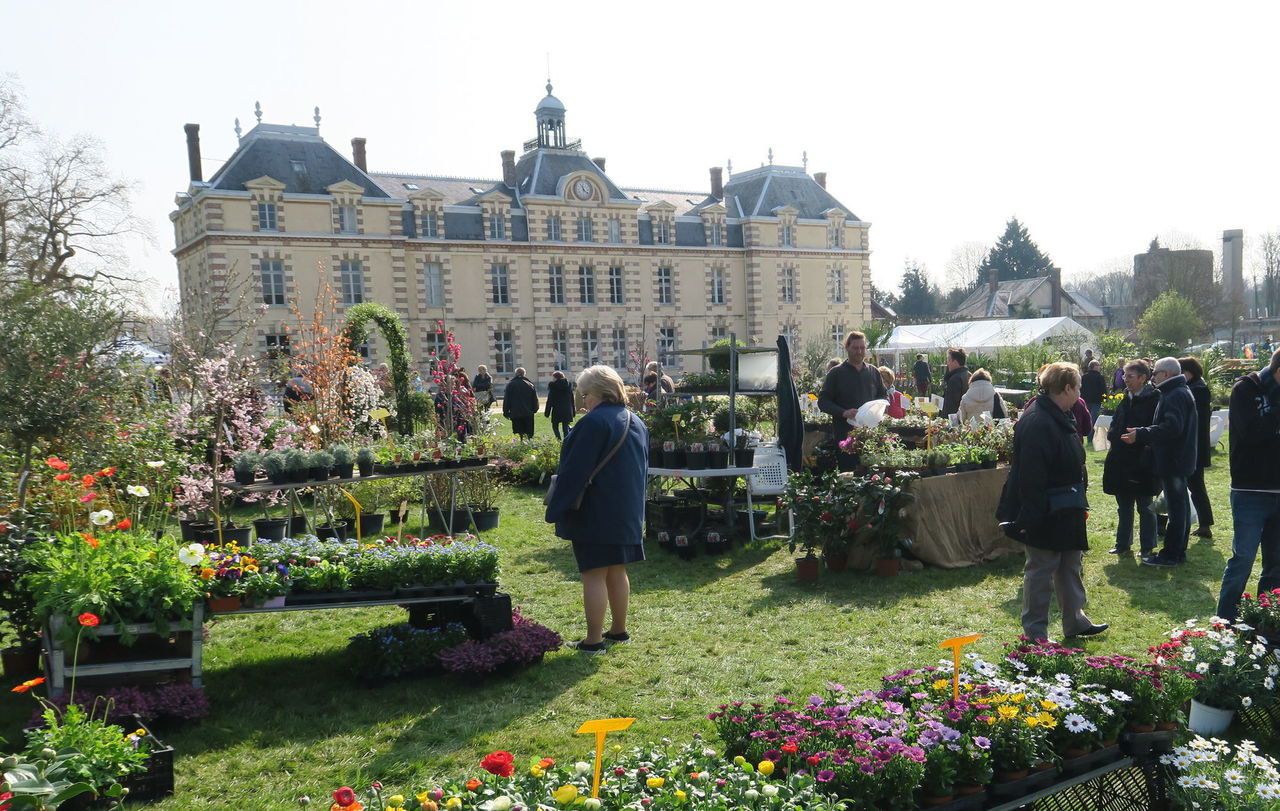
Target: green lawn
{"type": "Point", "coordinates": [289, 720]}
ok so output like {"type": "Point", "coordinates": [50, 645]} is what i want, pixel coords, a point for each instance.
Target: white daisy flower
{"type": "Point", "coordinates": [137, 490]}
{"type": "Point", "coordinates": [1202, 668]}
{"type": "Point", "coordinates": [1120, 696]}
{"type": "Point", "coordinates": [1269, 683]}
{"type": "Point", "coordinates": [1233, 776]}
{"type": "Point", "coordinates": [1246, 702]}
{"type": "Point", "coordinates": [156, 465]}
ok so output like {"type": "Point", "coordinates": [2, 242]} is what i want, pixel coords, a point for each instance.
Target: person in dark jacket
{"type": "Point", "coordinates": [1172, 438]}
{"type": "Point", "coordinates": [1127, 473]}
{"type": "Point", "coordinates": [1255, 485]}
{"type": "Point", "coordinates": [923, 375]}
{"type": "Point", "coordinates": [1117, 379]}
{"type": "Point", "coordinates": [1093, 387]}
{"type": "Point", "coordinates": [520, 404]}
{"type": "Point", "coordinates": [559, 404]}
{"type": "Point", "coordinates": [1204, 414]}
{"type": "Point", "coordinates": [850, 384]}
{"type": "Point", "coordinates": [1043, 506]}
{"type": "Point", "coordinates": [606, 529]}
{"type": "Point", "coordinates": [955, 382]}
{"type": "Point", "coordinates": [483, 386]}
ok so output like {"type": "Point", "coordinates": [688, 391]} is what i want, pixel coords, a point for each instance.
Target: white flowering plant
{"type": "Point", "coordinates": [1230, 671]}
{"type": "Point", "coordinates": [1211, 774]}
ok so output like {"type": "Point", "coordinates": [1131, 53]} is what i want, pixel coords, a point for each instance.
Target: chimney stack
{"type": "Point", "coordinates": [821, 178]}
{"type": "Point", "coordinates": [598, 162]}
{"type": "Point", "coordinates": [509, 167]}
{"type": "Point", "coordinates": [193, 152]}
{"type": "Point", "coordinates": [1055, 279]}
{"type": "Point", "coordinates": [993, 282]}
{"type": "Point", "coordinates": [357, 154]}
{"type": "Point", "coordinates": [717, 182]}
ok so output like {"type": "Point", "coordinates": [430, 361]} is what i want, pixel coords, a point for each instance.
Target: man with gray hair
{"type": "Point", "coordinates": [520, 404]}
{"type": "Point", "coordinates": [1172, 438]}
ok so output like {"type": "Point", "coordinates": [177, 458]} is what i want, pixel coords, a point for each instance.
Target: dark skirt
{"type": "Point", "coordinates": [599, 555]}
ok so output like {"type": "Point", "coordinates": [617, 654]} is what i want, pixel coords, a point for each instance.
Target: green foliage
{"type": "Point", "coordinates": [1171, 319]}
{"type": "Point", "coordinates": [342, 455]}
{"type": "Point", "coordinates": [719, 360]}
{"type": "Point", "coordinates": [43, 782]}
{"type": "Point", "coordinates": [400, 650]}
{"type": "Point", "coordinates": [104, 752]}
{"type": "Point", "coordinates": [358, 318]}
{"type": "Point", "coordinates": [920, 299]}
{"type": "Point", "coordinates": [1112, 346]}
{"type": "Point", "coordinates": [1015, 255]}
{"type": "Point", "coordinates": [246, 462]}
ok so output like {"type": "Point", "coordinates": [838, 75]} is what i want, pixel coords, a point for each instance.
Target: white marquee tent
{"type": "Point", "coordinates": [987, 337]}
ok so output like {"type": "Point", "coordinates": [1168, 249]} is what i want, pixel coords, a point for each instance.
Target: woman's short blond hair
{"type": "Point", "coordinates": [886, 374]}
{"type": "Point", "coordinates": [1055, 378]}
{"type": "Point", "coordinates": [980, 374]}
{"type": "Point", "coordinates": [603, 382]}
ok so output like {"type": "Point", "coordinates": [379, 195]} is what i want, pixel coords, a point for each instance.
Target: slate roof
{"type": "Point", "coordinates": [1013, 292]}
{"type": "Point", "coordinates": [272, 149]}
{"type": "Point", "coordinates": [756, 193]}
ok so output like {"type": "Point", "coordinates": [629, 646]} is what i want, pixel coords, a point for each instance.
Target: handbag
{"type": "Point", "coordinates": [1070, 497]}
{"type": "Point", "coordinates": [577, 502]}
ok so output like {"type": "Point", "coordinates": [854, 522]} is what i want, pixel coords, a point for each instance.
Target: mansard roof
{"type": "Point", "coordinates": [756, 193]}
{"type": "Point", "coordinates": [296, 156]}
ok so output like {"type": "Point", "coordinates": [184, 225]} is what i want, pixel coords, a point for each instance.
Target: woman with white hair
{"type": "Point", "coordinates": [598, 502]}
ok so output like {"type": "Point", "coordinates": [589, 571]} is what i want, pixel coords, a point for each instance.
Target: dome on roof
{"type": "Point", "coordinates": [549, 103]}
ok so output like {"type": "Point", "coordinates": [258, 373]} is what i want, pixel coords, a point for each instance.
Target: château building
{"type": "Point", "coordinates": [551, 266]}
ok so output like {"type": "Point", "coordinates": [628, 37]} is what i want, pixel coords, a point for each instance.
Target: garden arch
{"type": "Point", "coordinates": [358, 318]}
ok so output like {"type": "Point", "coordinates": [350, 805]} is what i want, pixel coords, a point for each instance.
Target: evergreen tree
{"type": "Point", "coordinates": [920, 298]}
{"type": "Point", "coordinates": [1016, 256]}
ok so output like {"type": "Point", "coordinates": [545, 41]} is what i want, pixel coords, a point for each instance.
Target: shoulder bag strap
{"type": "Point", "coordinates": [625, 430]}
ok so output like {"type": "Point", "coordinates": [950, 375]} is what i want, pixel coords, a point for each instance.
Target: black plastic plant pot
{"type": "Point", "coordinates": [279, 478]}
{"type": "Point", "coordinates": [191, 528]}
{"type": "Point", "coordinates": [245, 476]}
{"type": "Point", "coordinates": [485, 519]}
{"type": "Point", "coordinates": [371, 524]}
{"type": "Point", "coordinates": [344, 471]}
{"type": "Point", "coordinates": [299, 476]}
{"type": "Point", "coordinates": [271, 529]}
{"type": "Point", "coordinates": [717, 459]}
{"type": "Point", "coordinates": [339, 530]}
{"type": "Point", "coordinates": [318, 474]}
{"type": "Point", "coordinates": [673, 460]}
{"type": "Point", "coordinates": [744, 457]}
{"type": "Point", "coordinates": [297, 526]}
{"type": "Point", "coordinates": [366, 468]}
{"type": "Point", "coordinates": [695, 460]}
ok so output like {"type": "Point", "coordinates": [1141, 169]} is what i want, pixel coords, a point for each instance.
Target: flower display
{"type": "Point", "coordinates": [1229, 670]}
{"type": "Point", "coordinates": [1214, 774]}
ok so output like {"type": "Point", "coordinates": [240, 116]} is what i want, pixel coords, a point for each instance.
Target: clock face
{"type": "Point", "coordinates": [583, 189]}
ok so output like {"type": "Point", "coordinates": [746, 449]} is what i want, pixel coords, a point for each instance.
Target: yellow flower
{"type": "Point", "coordinates": [940, 684]}
{"type": "Point", "coordinates": [1018, 698]}
{"type": "Point", "coordinates": [739, 760]}
{"type": "Point", "coordinates": [565, 794]}
{"type": "Point", "coordinates": [1047, 720]}
{"type": "Point", "coordinates": [681, 796]}
{"type": "Point", "coordinates": [395, 801]}
{"type": "Point", "coordinates": [423, 798]}
{"type": "Point", "coordinates": [453, 802]}
{"type": "Point", "coordinates": [655, 782]}
{"type": "Point", "coordinates": [1007, 712]}
{"type": "Point", "coordinates": [536, 770]}
{"type": "Point", "coordinates": [1047, 704]}
{"type": "Point", "coordinates": [1032, 721]}
{"type": "Point", "coordinates": [766, 767]}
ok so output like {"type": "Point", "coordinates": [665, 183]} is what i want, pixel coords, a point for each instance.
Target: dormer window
{"type": "Point", "coordinates": [662, 232]}
{"type": "Point", "coordinates": [615, 230]}
{"type": "Point", "coordinates": [346, 219]}
{"type": "Point", "coordinates": [266, 216]}
{"type": "Point", "coordinates": [837, 236]}
{"type": "Point", "coordinates": [786, 235]}
{"type": "Point", "coordinates": [497, 226]}
{"type": "Point", "coordinates": [430, 225]}
{"type": "Point", "coordinates": [716, 236]}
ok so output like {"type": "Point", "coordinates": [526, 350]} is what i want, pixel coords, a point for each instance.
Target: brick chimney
{"type": "Point", "coordinates": [598, 162]}
{"type": "Point", "coordinates": [357, 154]}
{"type": "Point", "coordinates": [509, 167]}
{"type": "Point", "coordinates": [1055, 282]}
{"type": "Point", "coordinates": [193, 152]}
{"type": "Point", "coordinates": [821, 178]}
{"type": "Point", "coordinates": [993, 283]}
{"type": "Point", "coordinates": [717, 182]}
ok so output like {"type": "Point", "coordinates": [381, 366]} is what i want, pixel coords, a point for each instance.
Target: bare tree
{"type": "Point", "coordinates": [962, 267]}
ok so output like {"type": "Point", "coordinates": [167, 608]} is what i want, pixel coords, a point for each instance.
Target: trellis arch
{"type": "Point", "coordinates": [358, 318]}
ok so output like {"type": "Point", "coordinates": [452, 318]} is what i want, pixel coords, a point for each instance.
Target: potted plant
{"type": "Point", "coordinates": [696, 456]}
{"type": "Point", "coordinates": [1262, 613]}
{"type": "Point", "coordinates": [716, 454]}
{"type": "Point", "coordinates": [364, 460]}
{"type": "Point", "coordinates": [986, 458]}
{"type": "Point", "coordinates": [343, 461]}
{"type": "Point", "coordinates": [245, 467]}
{"type": "Point", "coordinates": [808, 498]}
{"type": "Point", "coordinates": [21, 632]}
{"type": "Point", "coordinates": [319, 464]}
{"type": "Point", "coordinates": [264, 589]}
{"type": "Point", "coordinates": [481, 492]}
{"type": "Point", "coordinates": [297, 462]}
{"type": "Point", "coordinates": [1232, 671]}
{"type": "Point", "coordinates": [270, 529]}
{"type": "Point", "coordinates": [338, 530]}
{"type": "Point", "coordinates": [274, 463]}
{"type": "Point", "coordinates": [370, 497]}
{"type": "Point", "coordinates": [717, 542]}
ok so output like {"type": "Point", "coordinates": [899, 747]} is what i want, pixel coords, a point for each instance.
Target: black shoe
{"type": "Point", "coordinates": [1120, 550]}
{"type": "Point", "coordinates": [1092, 630]}
{"type": "Point", "coordinates": [591, 650]}
{"type": "Point", "coordinates": [1158, 559]}
{"type": "Point", "coordinates": [1204, 532]}
{"type": "Point", "coordinates": [621, 638]}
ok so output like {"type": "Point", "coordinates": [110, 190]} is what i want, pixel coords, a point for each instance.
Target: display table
{"type": "Point", "coordinates": [952, 519]}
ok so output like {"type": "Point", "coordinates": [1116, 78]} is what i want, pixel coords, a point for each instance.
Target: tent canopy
{"type": "Point", "coordinates": [984, 336]}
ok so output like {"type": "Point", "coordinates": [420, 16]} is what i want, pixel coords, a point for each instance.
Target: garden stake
{"type": "Point", "coordinates": [602, 727]}
{"type": "Point", "coordinates": [352, 499]}
{"type": "Point", "coordinates": [956, 643]}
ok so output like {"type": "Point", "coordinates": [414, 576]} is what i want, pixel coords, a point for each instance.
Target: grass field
{"type": "Point", "coordinates": [290, 717]}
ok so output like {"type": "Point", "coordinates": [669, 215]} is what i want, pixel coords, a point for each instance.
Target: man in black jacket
{"type": "Point", "coordinates": [520, 404]}
{"type": "Point", "coordinates": [955, 382]}
{"type": "Point", "coordinates": [1093, 387]}
{"type": "Point", "coordinates": [850, 384]}
{"type": "Point", "coordinates": [1255, 484]}
{"type": "Point", "coordinates": [1172, 438]}
{"type": "Point", "coordinates": [923, 375]}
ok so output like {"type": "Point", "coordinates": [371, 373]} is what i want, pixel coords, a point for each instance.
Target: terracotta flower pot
{"type": "Point", "coordinates": [888, 567]}
{"type": "Point", "coordinates": [1009, 777]}
{"type": "Point", "coordinates": [807, 569]}
{"type": "Point", "coordinates": [223, 605]}
{"type": "Point", "coordinates": [1140, 728]}
{"type": "Point", "coordinates": [968, 789]}
{"type": "Point", "coordinates": [1075, 751]}
{"type": "Point", "coordinates": [934, 802]}
{"type": "Point", "coordinates": [837, 561]}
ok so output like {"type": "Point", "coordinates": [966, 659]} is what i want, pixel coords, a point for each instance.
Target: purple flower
{"type": "Point", "coordinates": [982, 743]}
{"type": "Point", "coordinates": [826, 776]}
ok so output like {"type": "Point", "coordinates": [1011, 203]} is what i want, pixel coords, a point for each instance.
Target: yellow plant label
{"type": "Point", "coordinates": [602, 727]}
{"type": "Point", "coordinates": [955, 644]}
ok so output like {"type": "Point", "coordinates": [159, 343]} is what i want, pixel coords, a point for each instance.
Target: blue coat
{"type": "Point", "coordinates": [1172, 436]}
{"type": "Point", "coordinates": [612, 509]}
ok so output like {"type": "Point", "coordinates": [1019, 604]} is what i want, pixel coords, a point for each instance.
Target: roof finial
{"type": "Point", "coordinates": [548, 73]}
{"type": "Point", "coordinates": [317, 117]}
{"type": "Point", "coordinates": [237, 129]}
{"type": "Point", "coordinates": [729, 165]}
{"type": "Point", "coordinates": [257, 110]}
{"type": "Point", "coordinates": [771, 156]}
{"type": "Point", "coordinates": [804, 159]}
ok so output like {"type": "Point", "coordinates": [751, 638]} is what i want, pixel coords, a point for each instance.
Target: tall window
{"type": "Point", "coordinates": [266, 216]}
{"type": "Point", "coordinates": [504, 352]}
{"type": "Point", "coordinates": [586, 284]}
{"type": "Point", "coordinates": [272, 282]}
{"type": "Point", "coordinates": [662, 232]}
{"type": "Point", "coordinates": [619, 348]}
{"type": "Point", "coordinates": [435, 345]}
{"type": "Point", "coordinates": [430, 227]}
{"type": "Point", "coordinates": [837, 236]}
{"type": "Point", "coordinates": [497, 226]}
{"type": "Point", "coordinates": [788, 285]}
{"type": "Point", "coordinates": [615, 230]}
{"type": "Point", "coordinates": [615, 285]}
{"type": "Point", "coordinates": [584, 229]}
{"type": "Point", "coordinates": [591, 346]}
{"type": "Point", "coordinates": [346, 219]}
{"type": "Point", "coordinates": [500, 284]}
{"type": "Point", "coordinates": [719, 333]}
{"type": "Point", "coordinates": [667, 346]}
{"type": "Point", "coordinates": [837, 286]}
{"type": "Point", "coordinates": [792, 334]}
{"type": "Point", "coordinates": [553, 228]}
{"type": "Point", "coordinates": [277, 345]}
{"type": "Point", "coordinates": [352, 275]}
{"type": "Point", "coordinates": [717, 285]}
{"type": "Point", "coordinates": [837, 337]}
{"type": "Point", "coordinates": [433, 284]}
{"type": "Point", "coordinates": [786, 235]}
{"type": "Point", "coordinates": [555, 275]}
{"type": "Point", "coordinates": [717, 233]}
{"type": "Point", "coordinates": [664, 285]}
{"type": "Point", "coordinates": [560, 347]}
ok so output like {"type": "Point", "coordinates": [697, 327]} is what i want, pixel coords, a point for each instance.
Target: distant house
{"type": "Point", "coordinates": [1038, 297]}
{"type": "Point", "coordinates": [882, 312]}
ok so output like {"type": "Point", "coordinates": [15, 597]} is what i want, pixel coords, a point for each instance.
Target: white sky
{"type": "Point", "coordinates": [1098, 124]}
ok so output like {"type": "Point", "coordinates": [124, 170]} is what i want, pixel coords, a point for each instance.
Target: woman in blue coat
{"type": "Point", "coordinates": [605, 460]}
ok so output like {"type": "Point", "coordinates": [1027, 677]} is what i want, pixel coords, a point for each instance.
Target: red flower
{"type": "Point", "coordinates": [473, 784]}
{"type": "Point", "coordinates": [57, 464]}
{"type": "Point", "coordinates": [87, 481]}
{"type": "Point", "coordinates": [62, 477]}
{"type": "Point", "coordinates": [88, 620]}
{"type": "Point", "coordinates": [22, 688]}
{"type": "Point", "coordinates": [87, 497]}
{"type": "Point", "coordinates": [89, 539]}
{"type": "Point", "coordinates": [344, 797]}
{"type": "Point", "coordinates": [790, 749]}
{"type": "Point", "coordinates": [813, 760]}
{"type": "Point", "coordinates": [123, 524]}
{"type": "Point", "coordinates": [546, 763]}
{"type": "Point", "coordinates": [107, 471]}
{"type": "Point", "coordinates": [500, 763]}
{"type": "Point", "coordinates": [826, 517]}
